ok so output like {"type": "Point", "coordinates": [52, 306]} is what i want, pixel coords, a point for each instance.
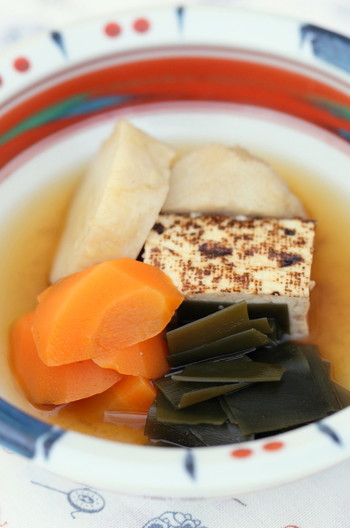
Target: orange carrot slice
{"type": "Point", "coordinates": [54, 385]}
{"type": "Point", "coordinates": [132, 393]}
{"type": "Point", "coordinates": [109, 306]}
{"type": "Point", "coordinates": [147, 358]}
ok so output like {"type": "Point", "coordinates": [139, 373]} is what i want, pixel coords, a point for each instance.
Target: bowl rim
{"type": "Point", "coordinates": [288, 47]}
{"type": "Point", "coordinates": [195, 472]}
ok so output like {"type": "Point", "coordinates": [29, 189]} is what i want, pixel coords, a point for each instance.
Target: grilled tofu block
{"type": "Point", "coordinates": [217, 258]}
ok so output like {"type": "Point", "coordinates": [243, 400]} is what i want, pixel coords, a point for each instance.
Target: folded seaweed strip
{"type": "Point", "coordinates": [179, 435]}
{"type": "Point", "coordinates": [184, 394]}
{"type": "Point", "coordinates": [303, 393]}
{"type": "Point", "coordinates": [302, 396]}
{"type": "Point", "coordinates": [221, 324]}
{"type": "Point", "coordinates": [235, 344]}
{"type": "Point", "coordinates": [190, 311]}
{"type": "Point", "coordinates": [208, 329]}
{"type": "Point", "coordinates": [208, 412]}
{"type": "Point", "coordinates": [234, 370]}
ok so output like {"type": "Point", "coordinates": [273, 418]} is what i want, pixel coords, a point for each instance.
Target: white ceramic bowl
{"type": "Point", "coordinates": [187, 75]}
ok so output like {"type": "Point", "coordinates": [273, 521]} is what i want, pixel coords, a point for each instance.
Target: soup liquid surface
{"type": "Point", "coordinates": [28, 246]}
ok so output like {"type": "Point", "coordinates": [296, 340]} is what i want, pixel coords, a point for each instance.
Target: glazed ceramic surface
{"type": "Point", "coordinates": [185, 75]}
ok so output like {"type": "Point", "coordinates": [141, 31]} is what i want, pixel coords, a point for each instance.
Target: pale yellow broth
{"type": "Point", "coordinates": [28, 245]}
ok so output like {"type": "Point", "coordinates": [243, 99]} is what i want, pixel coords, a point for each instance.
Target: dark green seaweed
{"type": "Point", "coordinates": [200, 402]}
{"type": "Point", "coordinates": [177, 435]}
{"type": "Point", "coordinates": [278, 312]}
{"type": "Point", "coordinates": [230, 345]}
{"type": "Point", "coordinates": [321, 377]}
{"type": "Point", "coordinates": [227, 410]}
{"type": "Point", "coordinates": [262, 324]}
{"type": "Point", "coordinates": [234, 370]}
{"type": "Point", "coordinates": [328, 367]}
{"type": "Point", "coordinates": [295, 400]}
{"type": "Point", "coordinates": [342, 395]}
{"type": "Point", "coordinates": [190, 311]}
{"type": "Point", "coordinates": [184, 394]}
{"type": "Point", "coordinates": [219, 435]}
{"type": "Point", "coordinates": [173, 434]}
{"type": "Point", "coordinates": [211, 328]}
{"type": "Point", "coordinates": [209, 412]}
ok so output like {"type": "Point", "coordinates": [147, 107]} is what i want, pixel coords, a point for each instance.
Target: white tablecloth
{"type": "Point", "coordinates": [32, 498]}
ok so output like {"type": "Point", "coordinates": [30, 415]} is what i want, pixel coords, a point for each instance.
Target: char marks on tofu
{"type": "Point", "coordinates": [218, 258]}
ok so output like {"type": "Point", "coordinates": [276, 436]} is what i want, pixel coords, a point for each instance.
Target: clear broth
{"type": "Point", "coordinates": [30, 241]}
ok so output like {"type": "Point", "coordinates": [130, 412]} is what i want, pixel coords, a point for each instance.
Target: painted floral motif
{"type": "Point", "coordinates": [171, 519]}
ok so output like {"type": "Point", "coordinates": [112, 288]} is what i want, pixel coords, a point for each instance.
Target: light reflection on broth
{"type": "Point", "coordinates": [29, 242]}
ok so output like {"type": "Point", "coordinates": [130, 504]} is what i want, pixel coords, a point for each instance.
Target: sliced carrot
{"type": "Point", "coordinates": [132, 393]}
{"type": "Point", "coordinates": [147, 358]}
{"type": "Point", "coordinates": [69, 279]}
{"type": "Point", "coordinates": [112, 305]}
{"type": "Point", "coordinates": [54, 385]}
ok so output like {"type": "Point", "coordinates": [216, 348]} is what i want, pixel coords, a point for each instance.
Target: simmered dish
{"type": "Point", "coordinates": [179, 300]}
